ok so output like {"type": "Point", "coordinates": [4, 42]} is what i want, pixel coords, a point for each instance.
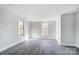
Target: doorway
{"type": "Point", "coordinates": [43, 29]}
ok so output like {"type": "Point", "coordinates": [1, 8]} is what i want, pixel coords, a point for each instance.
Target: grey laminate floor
{"type": "Point", "coordinates": [40, 47]}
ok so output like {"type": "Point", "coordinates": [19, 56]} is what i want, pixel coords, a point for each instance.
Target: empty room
{"type": "Point", "coordinates": [39, 29]}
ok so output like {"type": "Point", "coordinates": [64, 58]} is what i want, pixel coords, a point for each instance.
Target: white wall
{"type": "Point", "coordinates": [35, 29]}
{"type": "Point", "coordinates": [26, 29]}
{"type": "Point", "coordinates": [68, 29]}
{"type": "Point", "coordinates": [77, 29]}
{"type": "Point", "coordinates": [8, 29]}
{"type": "Point", "coordinates": [52, 30]}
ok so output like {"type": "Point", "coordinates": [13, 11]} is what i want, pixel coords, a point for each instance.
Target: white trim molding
{"type": "Point", "coordinates": [3, 49]}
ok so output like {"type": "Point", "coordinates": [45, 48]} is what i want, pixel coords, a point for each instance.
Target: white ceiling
{"type": "Point", "coordinates": [40, 11]}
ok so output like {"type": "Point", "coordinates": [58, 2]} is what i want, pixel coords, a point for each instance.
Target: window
{"type": "Point", "coordinates": [44, 29]}
{"type": "Point", "coordinates": [20, 27]}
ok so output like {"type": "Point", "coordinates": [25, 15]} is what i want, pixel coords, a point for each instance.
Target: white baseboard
{"type": "Point", "coordinates": [68, 44]}
{"type": "Point", "coordinates": [3, 49]}
{"type": "Point", "coordinates": [77, 46]}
